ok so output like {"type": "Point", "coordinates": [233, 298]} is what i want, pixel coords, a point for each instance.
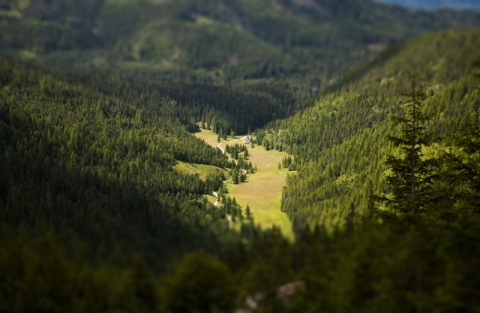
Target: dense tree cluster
{"type": "Point", "coordinates": [369, 269]}
{"type": "Point", "coordinates": [236, 149]}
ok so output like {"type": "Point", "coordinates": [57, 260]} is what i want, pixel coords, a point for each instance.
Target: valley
{"type": "Point", "coordinates": [126, 176]}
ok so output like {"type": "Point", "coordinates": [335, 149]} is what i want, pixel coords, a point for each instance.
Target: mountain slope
{"type": "Point", "coordinates": [341, 144]}
{"type": "Point", "coordinates": [100, 169]}
{"type": "Point", "coordinates": [226, 40]}
{"type": "Point", "coordinates": [235, 64]}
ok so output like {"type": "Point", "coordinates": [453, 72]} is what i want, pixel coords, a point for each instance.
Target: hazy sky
{"type": "Point", "coordinates": [437, 3]}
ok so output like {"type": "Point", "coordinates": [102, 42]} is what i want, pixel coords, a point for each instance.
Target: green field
{"type": "Point", "coordinates": [200, 169]}
{"type": "Point", "coordinates": [263, 190]}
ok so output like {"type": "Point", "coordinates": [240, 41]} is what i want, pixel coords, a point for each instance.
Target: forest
{"type": "Point", "coordinates": [377, 106]}
{"type": "Point", "coordinates": [340, 145]}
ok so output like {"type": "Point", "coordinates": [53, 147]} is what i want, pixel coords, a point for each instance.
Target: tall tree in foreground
{"type": "Point", "coordinates": [411, 175]}
{"type": "Point", "coordinates": [411, 179]}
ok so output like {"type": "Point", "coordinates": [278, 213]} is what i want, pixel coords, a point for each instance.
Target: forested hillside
{"type": "Point", "coordinates": [340, 145]}
{"type": "Point", "coordinates": [222, 40]}
{"type": "Point", "coordinates": [235, 64]}
{"type": "Point", "coordinates": [100, 169]}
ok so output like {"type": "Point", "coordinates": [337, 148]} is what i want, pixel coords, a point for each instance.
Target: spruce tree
{"type": "Point", "coordinates": [411, 175]}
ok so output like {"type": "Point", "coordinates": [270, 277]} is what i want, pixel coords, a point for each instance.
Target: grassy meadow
{"type": "Point", "coordinates": [197, 169]}
{"type": "Point", "coordinates": [262, 191]}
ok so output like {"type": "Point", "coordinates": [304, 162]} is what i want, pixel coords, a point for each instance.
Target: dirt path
{"type": "Point", "coordinates": [215, 194]}
{"type": "Point", "coordinates": [219, 146]}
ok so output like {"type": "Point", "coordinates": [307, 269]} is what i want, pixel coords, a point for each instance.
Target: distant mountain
{"type": "Point", "coordinates": [222, 41]}
{"type": "Point", "coordinates": [434, 4]}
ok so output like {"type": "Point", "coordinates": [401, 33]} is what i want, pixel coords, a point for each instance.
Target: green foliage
{"type": "Point", "coordinates": [370, 269]}
{"type": "Point", "coordinates": [412, 176]}
{"type": "Point", "coordinates": [38, 274]}
{"type": "Point", "coordinates": [199, 283]}
{"type": "Point", "coordinates": [457, 185]}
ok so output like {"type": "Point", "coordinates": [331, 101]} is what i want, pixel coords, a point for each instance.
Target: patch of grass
{"type": "Point", "coordinates": [210, 198]}
{"type": "Point", "coordinates": [208, 136]}
{"type": "Point", "coordinates": [201, 169]}
{"type": "Point", "coordinates": [262, 191]}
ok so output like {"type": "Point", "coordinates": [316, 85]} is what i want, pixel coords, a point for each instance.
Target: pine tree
{"type": "Point", "coordinates": [248, 213]}
{"type": "Point", "coordinates": [235, 177]}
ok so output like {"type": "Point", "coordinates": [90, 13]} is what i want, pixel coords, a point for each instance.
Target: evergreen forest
{"type": "Point", "coordinates": [111, 201]}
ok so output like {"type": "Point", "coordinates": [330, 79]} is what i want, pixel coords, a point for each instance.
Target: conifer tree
{"type": "Point", "coordinates": [248, 213]}
{"type": "Point", "coordinates": [235, 177]}
{"type": "Point", "coordinates": [411, 175]}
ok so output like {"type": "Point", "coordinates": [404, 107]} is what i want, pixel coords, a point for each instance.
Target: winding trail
{"type": "Point", "coordinates": [215, 194]}
{"type": "Point", "coordinates": [219, 146]}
